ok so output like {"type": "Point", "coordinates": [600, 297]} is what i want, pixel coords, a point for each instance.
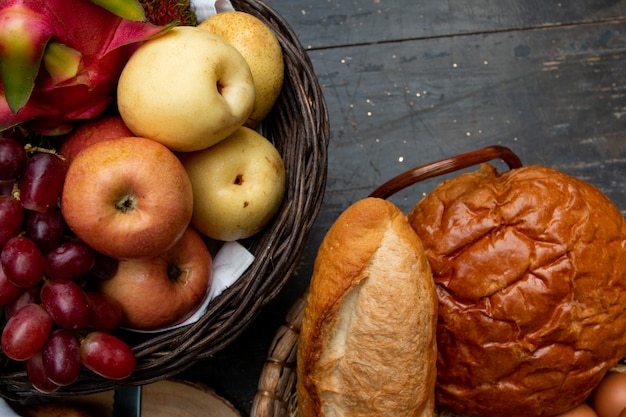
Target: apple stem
{"type": "Point", "coordinates": [126, 204]}
{"type": "Point", "coordinates": [174, 272]}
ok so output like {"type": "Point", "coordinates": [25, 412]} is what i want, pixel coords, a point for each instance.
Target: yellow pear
{"type": "Point", "coordinates": [256, 42]}
{"type": "Point", "coordinates": [187, 89]}
{"type": "Point", "coordinates": [238, 185]}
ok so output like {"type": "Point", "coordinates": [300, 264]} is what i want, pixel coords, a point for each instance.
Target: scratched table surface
{"type": "Point", "coordinates": [409, 82]}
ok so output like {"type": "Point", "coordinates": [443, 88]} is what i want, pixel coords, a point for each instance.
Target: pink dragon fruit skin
{"type": "Point", "coordinates": [35, 99]}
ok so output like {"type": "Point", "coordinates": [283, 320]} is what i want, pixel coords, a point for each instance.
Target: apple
{"type": "Point", "coordinates": [260, 48]}
{"type": "Point", "coordinates": [238, 185]}
{"type": "Point", "coordinates": [187, 89]}
{"type": "Point", "coordinates": [92, 131]}
{"type": "Point", "coordinates": [164, 290]}
{"type": "Point", "coordinates": [127, 197]}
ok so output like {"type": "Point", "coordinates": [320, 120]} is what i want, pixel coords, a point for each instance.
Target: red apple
{"type": "Point", "coordinates": [127, 197]}
{"type": "Point", "coordinates": [164, 290]}
{"type": "Point", "coordinates": [92, 131]}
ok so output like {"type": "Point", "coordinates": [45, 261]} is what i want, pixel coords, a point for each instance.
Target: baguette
{"type": "Point", "coordinates": [367, 345]}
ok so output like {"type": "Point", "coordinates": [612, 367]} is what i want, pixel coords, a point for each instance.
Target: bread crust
{"type": "Point", "coordinates": [531, 280]}
{"type": "Point", "coordinates": [367, 345]}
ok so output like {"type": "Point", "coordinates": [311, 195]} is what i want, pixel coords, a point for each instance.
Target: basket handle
{"type": "Point", "coordinates": [446, 166]}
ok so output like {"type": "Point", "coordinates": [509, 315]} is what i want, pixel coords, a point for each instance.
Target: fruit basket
{"type": "Point", "coordinates": [298, 127]}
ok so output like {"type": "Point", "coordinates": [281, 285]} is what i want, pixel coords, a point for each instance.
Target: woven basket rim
{"type": "Point", "coordinates": [298, 127]}
{"type": "Point", "coordinates": [276, 394]}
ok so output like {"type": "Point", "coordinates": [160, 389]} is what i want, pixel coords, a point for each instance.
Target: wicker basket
{"type": "Point", "coordinates": [298, 127]}
{"type": "Point", "coordinates": [276, 396]}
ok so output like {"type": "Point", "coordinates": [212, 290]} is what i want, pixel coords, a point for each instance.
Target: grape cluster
{"type": "Point", "coordinates": [55, 322]}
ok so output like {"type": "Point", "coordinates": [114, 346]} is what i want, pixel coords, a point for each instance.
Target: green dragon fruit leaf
{"type": "Point", "coordinates": [61, 62]}
{"type": "Point", "coordinates": [126, 9]}
{"type": "Point", "coordinates": [23, 38]}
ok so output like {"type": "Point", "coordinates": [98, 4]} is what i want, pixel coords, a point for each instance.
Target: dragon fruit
{"type": "Point", "coordinates": [60, 59]}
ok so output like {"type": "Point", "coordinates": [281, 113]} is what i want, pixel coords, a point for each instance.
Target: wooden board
{"type": "Point", "coordinates": [555, 96]}
{"type": "Point", "coordinates": [334, 23]}
{"type": "Point", "coordinates": [161, 399]}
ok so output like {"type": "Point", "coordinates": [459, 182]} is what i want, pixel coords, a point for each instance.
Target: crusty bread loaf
{"type": "Point", "coordinates": [530, 268]}
{"type": "Point", "coordinates": [367, 345]}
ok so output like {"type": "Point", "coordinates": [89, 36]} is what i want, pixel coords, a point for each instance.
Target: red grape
{"type": "Point", "coordinates": [105, 313]}
{"type": "Point", "coordinates": [11, 218]}
{"type": "Point", "coordinates": [107, 355]}
{"type": "Point", "coordinates": [6, 187]}
{"type": "Point", "coordinates": [37, 375]}
{"type": "Point", "coordinates": [26, 332]}
{"type": "Point", "coordinates": [8, 291]}
{"type": "Point", "coordinates": [22, 261]}
{"type": "Point", "coordinates": [61, 357]}
{"type": "Point", "coordinates": [45, 229]}
{"type": "Point", "coordinates": [12, 159]}
{"type": "Point", "coordinates": [28, 296]}
{"type": "Point", "coordinates": [66, 303]}
{"type": "Point", "coordinates": [69, 260]}
{"type": "Point", "coordinates": [42, 182]}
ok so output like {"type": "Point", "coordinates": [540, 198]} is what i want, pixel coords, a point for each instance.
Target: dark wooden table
{"type": "Point", "coordinates": [413, 81]}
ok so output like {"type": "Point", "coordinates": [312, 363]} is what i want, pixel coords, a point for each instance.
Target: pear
{"type": "Point", "coordinates": [238, 185]}
{"type": "Point", "coordinates": [259, 46]}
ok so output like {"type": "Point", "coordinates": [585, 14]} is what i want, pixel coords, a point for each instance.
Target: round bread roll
{"type": "Point", "coordinates": [531, 280]}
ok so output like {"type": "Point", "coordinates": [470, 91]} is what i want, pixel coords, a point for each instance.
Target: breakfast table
{"type": "Point", "coordinates": [409, 82]}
